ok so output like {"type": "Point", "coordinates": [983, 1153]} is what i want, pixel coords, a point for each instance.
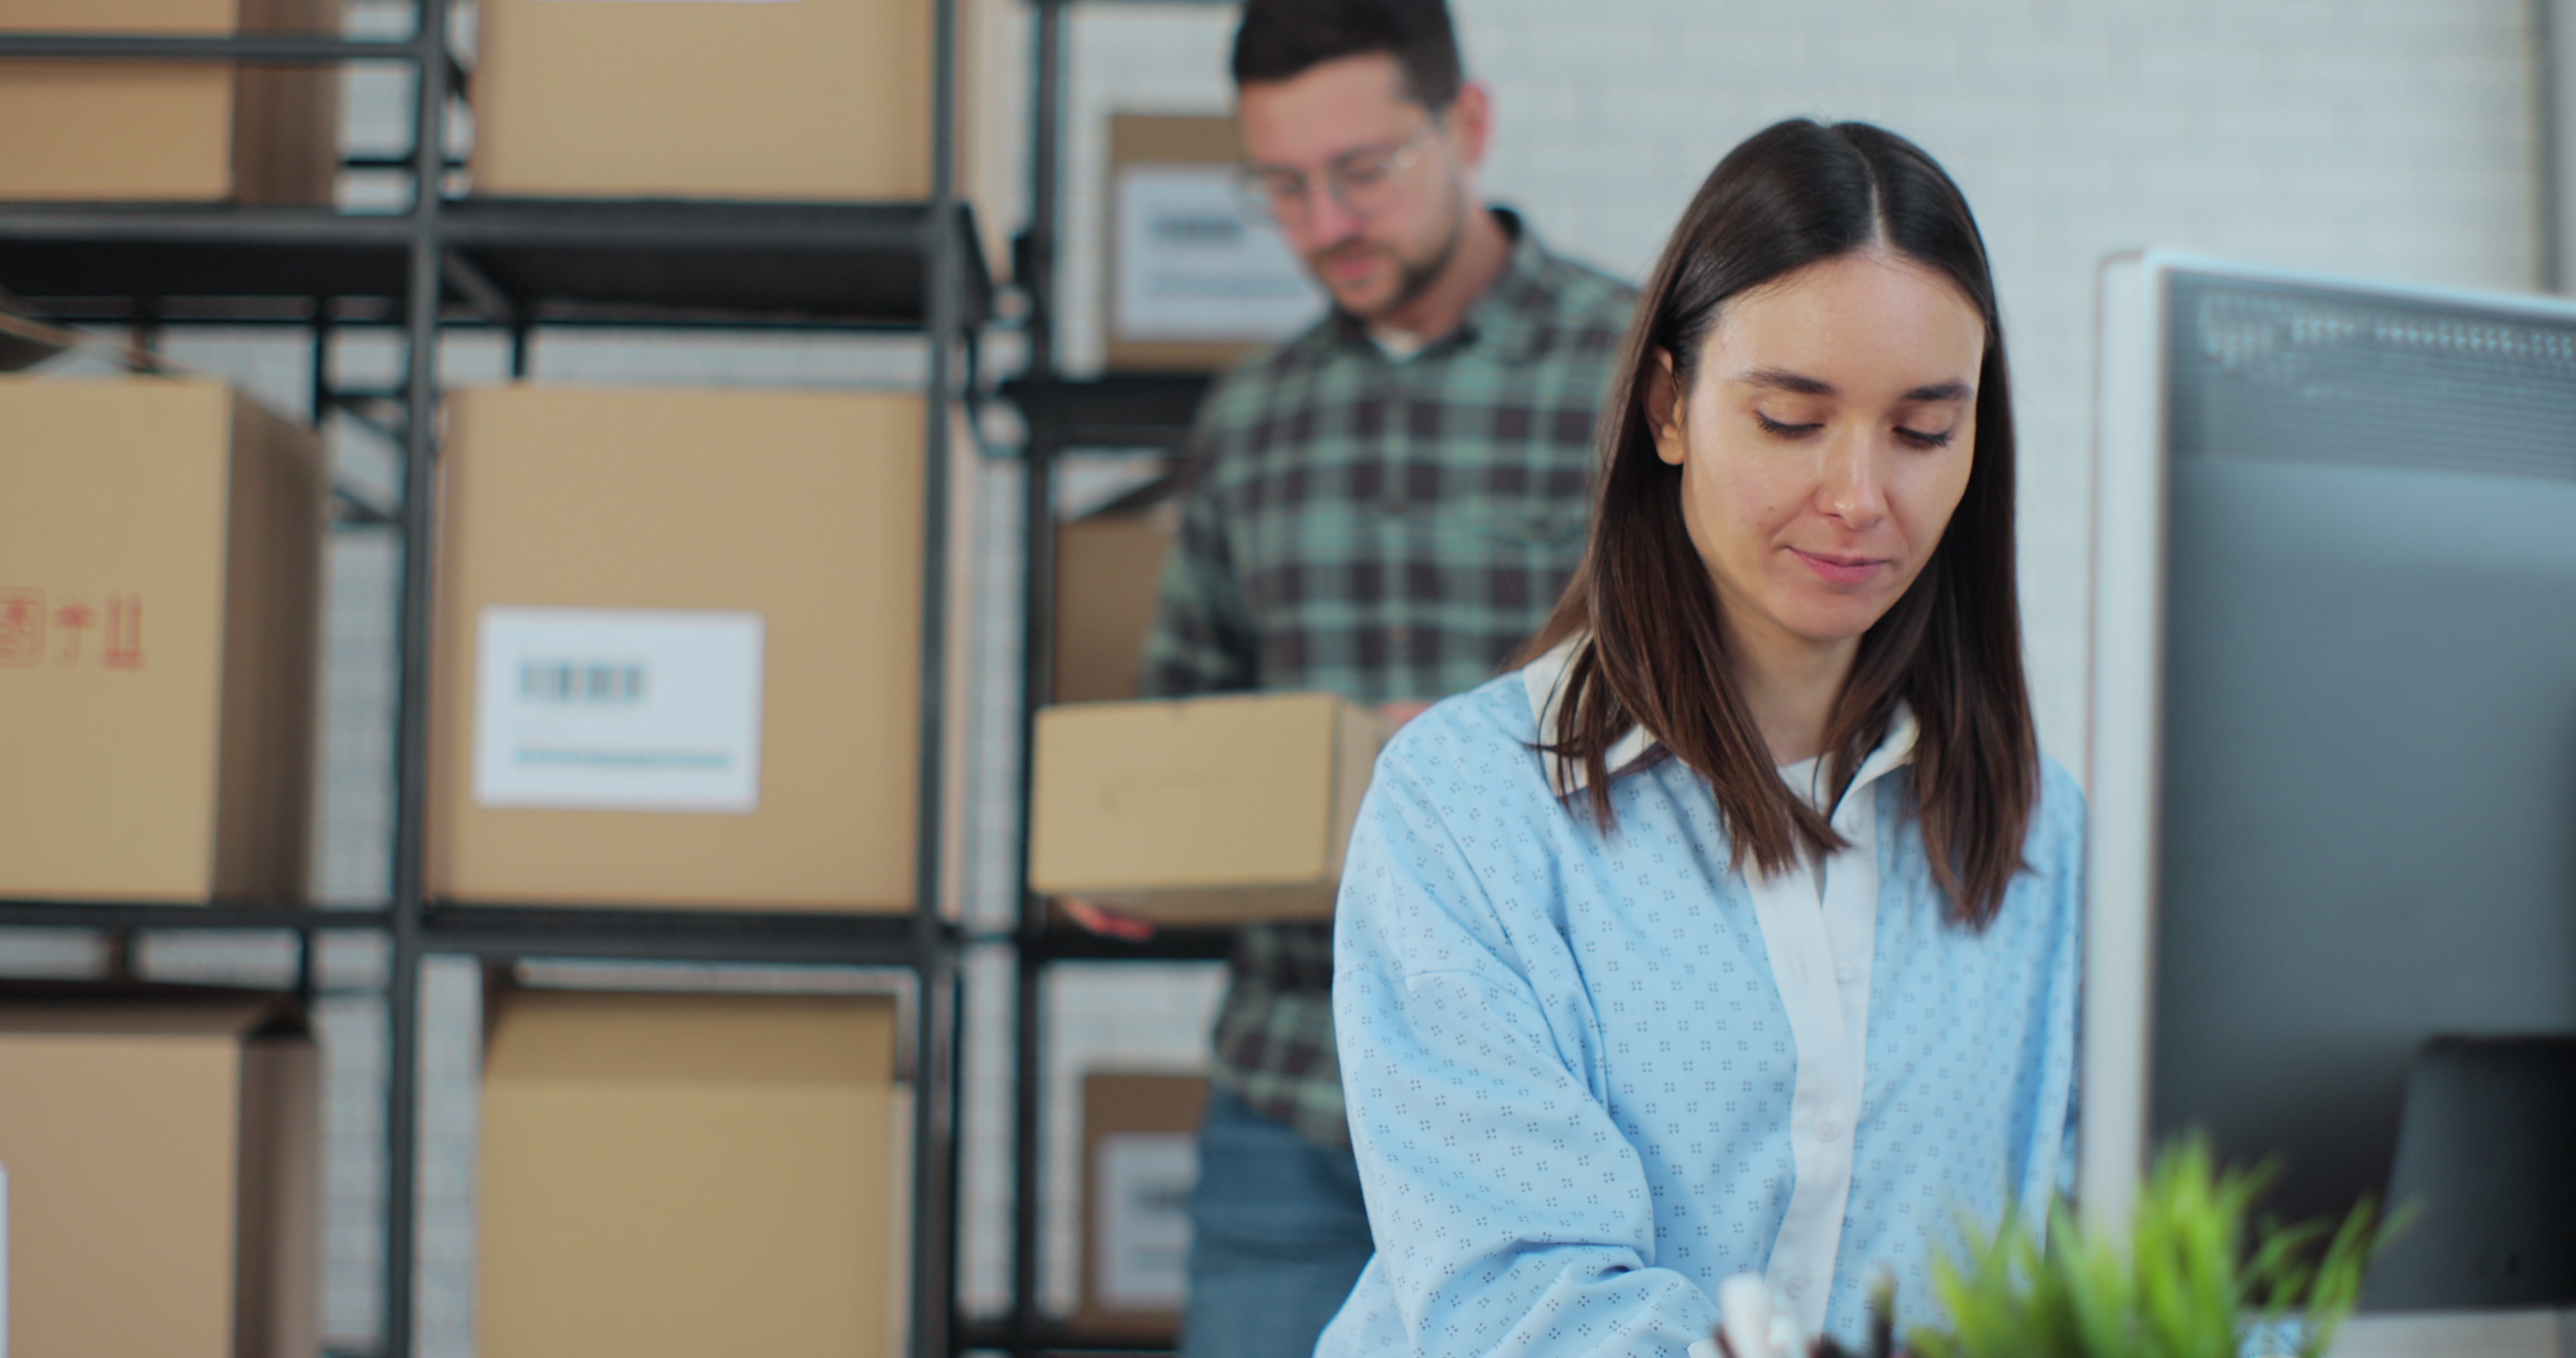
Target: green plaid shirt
{"type": "Point", "coordinates": [1390, 531]}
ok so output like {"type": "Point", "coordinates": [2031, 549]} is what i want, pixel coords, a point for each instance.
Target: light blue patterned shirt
{"type": "Point", "coordinates": [1573, 1079]}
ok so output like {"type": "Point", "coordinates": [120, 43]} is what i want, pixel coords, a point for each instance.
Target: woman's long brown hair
{"type": "Point", "coordinates": [1795, 194]}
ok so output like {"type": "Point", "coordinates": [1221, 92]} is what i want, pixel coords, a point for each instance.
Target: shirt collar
{"type": "Point", "coordinates": [1544, 680]}
{"type": "Point", "coordinates": [1511, 314]}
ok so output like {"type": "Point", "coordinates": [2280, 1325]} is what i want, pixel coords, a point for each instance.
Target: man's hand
{"type": "Point", "coordinates": [1107, 922]}
{"type": "Point", "coordinates": [1397, 714]}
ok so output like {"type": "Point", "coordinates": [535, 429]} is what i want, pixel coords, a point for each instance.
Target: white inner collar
{"type": "Point", "coordinates": [1544, 680]}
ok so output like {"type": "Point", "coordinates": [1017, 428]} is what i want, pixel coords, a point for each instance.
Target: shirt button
{"type": "Point", "coordinates": [1827, 1129]}
{"type": "Point", "coordinates": [1401, 633]}
{"type": "Point", "coordinates": [1797, 1285]}
{"type": "Point", "coordinates": [1845, 972]}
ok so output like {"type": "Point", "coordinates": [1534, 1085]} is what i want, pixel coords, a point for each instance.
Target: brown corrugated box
{"type": "Point", "coordinates": [91, 131]}
{"type": "Point", "coordinates": [1108, 580]}
{"type": "Point", "coordinates": [694, 1174]}
{"type": "Point", "coordinates": [1119, 1111]}
{"type": "Point", "coordinates": [802, 507]}
{"type": "Point", "coordinates": [1209, 810]}
{"type": "Point", "coordinates": [164, 1177]}
{"type": "Point", "coordinates": [1168, 139]}
{"type": "Point", "coordinates": [818, 100]}
{"type": "Point", "coordinates": [160, 581]}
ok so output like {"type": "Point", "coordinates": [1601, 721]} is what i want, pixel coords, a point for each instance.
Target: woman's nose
{"type": "Point", "coordinates": [1851, 487]}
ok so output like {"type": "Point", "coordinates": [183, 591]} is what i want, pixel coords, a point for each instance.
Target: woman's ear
{"type": "Point", "coordinates": [1664, 408]}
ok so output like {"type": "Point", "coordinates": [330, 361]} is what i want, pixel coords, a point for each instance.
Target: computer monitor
{"type": "Point", "coordinates": [2332, 764]}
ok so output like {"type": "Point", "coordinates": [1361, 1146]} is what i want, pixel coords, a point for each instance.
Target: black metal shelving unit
{"type": "Point", "coordinates": [448, 262]}
{"type": "Point", "coordinates": [1124, 411]}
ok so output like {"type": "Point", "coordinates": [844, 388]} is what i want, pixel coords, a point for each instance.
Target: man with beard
{"type": "Point", "coordinates": [1386, 506]}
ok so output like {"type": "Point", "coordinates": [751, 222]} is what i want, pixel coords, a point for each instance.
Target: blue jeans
{"type": "Point", "coordinates": [1278, 1234]}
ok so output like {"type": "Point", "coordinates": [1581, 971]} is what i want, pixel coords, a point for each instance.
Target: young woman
{"type": "Point", "coordinates": [1738, 931]}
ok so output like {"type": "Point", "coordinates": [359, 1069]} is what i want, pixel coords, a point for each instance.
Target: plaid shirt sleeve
{"type": "Point", "coordinates": [1203, 639]}
{"type": "Point", "coordinates": [1387, 531]}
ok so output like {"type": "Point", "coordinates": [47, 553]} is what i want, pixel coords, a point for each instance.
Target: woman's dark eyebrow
{"type": "Point", "coordinates": [1781, 379]}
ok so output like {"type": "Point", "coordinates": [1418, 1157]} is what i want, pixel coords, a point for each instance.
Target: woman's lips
{"type": "Point", "coordinates": [1837, 569]}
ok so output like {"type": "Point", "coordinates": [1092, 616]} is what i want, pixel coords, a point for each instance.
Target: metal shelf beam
{"type": "Point", "coordinates": [264, 49]}
{"type": "Point", "coordinates": [510, 932]}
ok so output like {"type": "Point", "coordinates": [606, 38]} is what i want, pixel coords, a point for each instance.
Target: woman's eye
{"type": "Point", "coordinates": [1921, 439]}
{"type": "Point", "coordinates": [1779, 429]}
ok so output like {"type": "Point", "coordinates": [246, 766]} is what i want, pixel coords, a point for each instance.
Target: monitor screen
{"type": "Point", "coordinates": [2333, 760]}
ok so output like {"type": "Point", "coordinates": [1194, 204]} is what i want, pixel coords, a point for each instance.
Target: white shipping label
{"type": "Point", "coordinates": [618, 709]}
{"type": "Point", "coordinates": [1144, 1181]}
{"type": "Point", "coordinates": [1193, 264]}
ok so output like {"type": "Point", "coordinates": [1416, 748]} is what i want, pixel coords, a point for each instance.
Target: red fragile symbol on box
{"type": "Point", "coordinates": [72, 619]}
{"type": "Point", "coordinates": [22, 626]}
{"type": "Point", "coordinates": [121, 645]}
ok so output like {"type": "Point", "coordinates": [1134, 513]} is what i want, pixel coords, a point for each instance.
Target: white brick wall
{"type": "Point", "coordinates": [2381, 137]}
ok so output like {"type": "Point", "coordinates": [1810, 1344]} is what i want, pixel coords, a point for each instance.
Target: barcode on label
{"type": "Point", "coordinates": [600, 682]}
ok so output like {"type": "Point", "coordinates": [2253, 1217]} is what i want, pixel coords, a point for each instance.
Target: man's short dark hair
{"type": "Point", "coordinates": [1283, 39]}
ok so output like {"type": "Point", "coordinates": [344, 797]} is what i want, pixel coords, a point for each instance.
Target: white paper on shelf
{"type": "Point", "coordinates": [1143, 1219]}
{"type": "Point", "coordinates": [1193, 265]}
{"type": "Point", "coordinates": [618, 709]}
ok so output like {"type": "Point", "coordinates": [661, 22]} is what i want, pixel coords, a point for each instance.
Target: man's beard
{"type": "Point", "coordinates": [1413, 277]}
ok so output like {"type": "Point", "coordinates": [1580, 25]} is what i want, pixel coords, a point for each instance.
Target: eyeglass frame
{"type": "Point", "coordinates": [1252, 182]}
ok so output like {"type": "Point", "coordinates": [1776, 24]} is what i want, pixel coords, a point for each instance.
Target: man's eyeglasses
{"type": "Point", "coordinates": [1366, 182]}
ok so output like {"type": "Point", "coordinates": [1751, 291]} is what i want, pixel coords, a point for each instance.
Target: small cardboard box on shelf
{"type": "Point", "coordinates": [1140, 1160]}
{"type": "Point", "coordinates": [1198, 280]}
{"type": "Point", "coordinates": [163, 1152]}
{"type": "Point", "coordinates": [160, 585]}
{"type": "Point", "coordinates": [170, 131]}
{"type": "Point", "coordinates": [1108, 574]}
{"type": "Point", "coordinates": [684, 1174]}
{"type": "Point", "coordinates": [678, 656]}
{"type": "Point", "coordinates": [815, 101]}
{"type": "Point", "coordinates": [1215, 810]}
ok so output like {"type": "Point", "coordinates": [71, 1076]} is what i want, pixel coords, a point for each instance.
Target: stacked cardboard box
{"type": "Point", "coordinates": [1197, 280]}
{"type": "Point", "coordinates": [678, 653]}
{"type": "Point", "coordinates": [1140, 1161]}
{"type": "Point", "coordinates": [87, 131]}
{"type": "Point", "coordinates": [164, 1178]}
{"type": "Point", "coordinates": [1201, 810]}
{"type": "Point", "coordinates": [160, 576]}
{"type": "Point", "coordinates": [1108, 577]}
{"type": "Point", "coordinates": [819, 100]}
{"type": "Point", "coordinates": [694, 1174]}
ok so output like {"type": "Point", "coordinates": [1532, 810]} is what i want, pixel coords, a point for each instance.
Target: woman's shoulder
{"type": "Point", "coordinates": [1489, 732]}
{"type": "Point", "coordinates": [2055, 843]}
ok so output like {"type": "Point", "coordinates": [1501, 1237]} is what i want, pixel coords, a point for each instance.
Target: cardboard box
{"type": "Point", "coordinates": [160, 584]}
{"type": "Point", "coordinates": [1140, 1161]}
{"type": "Point", "coordinates": [1201, 810]}
{"type": "Point", "coordinates": [1196, 283]}
{"type": "Point", "coordinates": [693, 1174]}
{"type": "Point", "coordinates": [678, 521]}
{"type": "Point", "coordinates": [164, 1177]}
{"type": "Point", "coordinates": [1108, 582]}
{"type": "Point", "coordinates": [169, 131]}
{"type": "Point", "coordinates": [818, 100]}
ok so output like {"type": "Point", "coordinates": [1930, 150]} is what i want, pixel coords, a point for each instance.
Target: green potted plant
{"type": "Point", "coordinates": [2194, 1277]}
